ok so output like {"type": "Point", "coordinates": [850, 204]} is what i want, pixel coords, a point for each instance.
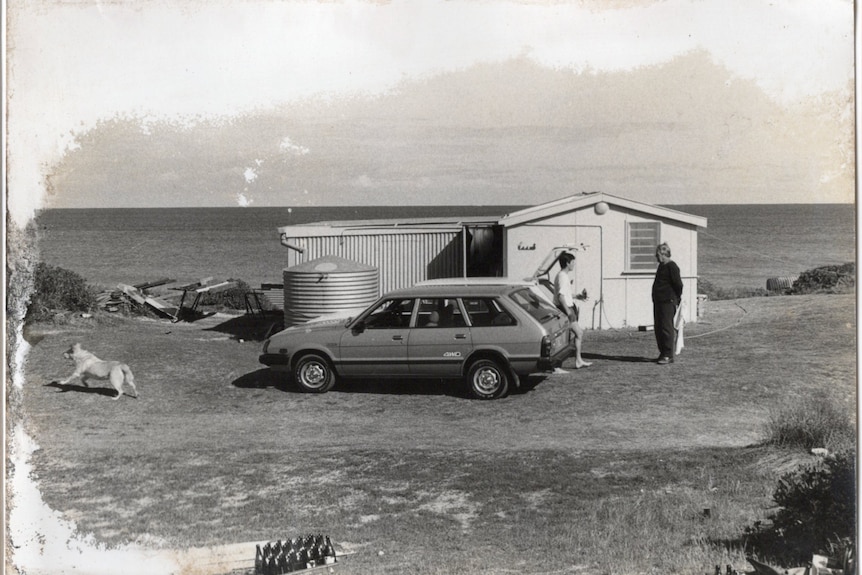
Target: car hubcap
{"type": "Point", "coordinates": [487, 381]}
{"type": "Point", "coordinates": [313, 374]}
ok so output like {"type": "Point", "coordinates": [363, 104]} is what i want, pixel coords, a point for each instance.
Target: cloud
{"type": "Point", "coordinates": [688, 131]}
{"type": "Point", "coordinates": [287, 146]}
{"type": "Point", "coordinates": [243, 201]}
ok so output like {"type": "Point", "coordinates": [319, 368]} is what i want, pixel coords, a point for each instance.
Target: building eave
{"type": "Point", "coordinates": [580, 201]}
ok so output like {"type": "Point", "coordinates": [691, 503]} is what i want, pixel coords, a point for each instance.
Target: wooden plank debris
{"type": "Point", "coordinates": [156, 304]}
{"type": "Point", "coordinates": [147, 285]}
{"type": "Point", "coordinates": [198, 289]}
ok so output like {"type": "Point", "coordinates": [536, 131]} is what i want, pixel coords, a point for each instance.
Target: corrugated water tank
{"type": "Point", "coordinates": [327, 285]}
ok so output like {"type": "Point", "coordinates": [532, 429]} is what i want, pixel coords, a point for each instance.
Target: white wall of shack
{"type": "Point", "coordinates": [618, 297]}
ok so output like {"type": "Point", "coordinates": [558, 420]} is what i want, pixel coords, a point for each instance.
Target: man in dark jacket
{"type": "Point", "coordinates": [666, 296]}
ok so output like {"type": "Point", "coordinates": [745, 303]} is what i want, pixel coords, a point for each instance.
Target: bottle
{"type": "Point", "coordinates": [271, 567]}
{"type": "Point", "coordinates": [267, 555]}
{"type": "Point", "coordinates": [293, 560]}
{"type": "Point", "coordinates": [283, 567]}
{"type": "Point", "coordinates": [328, 551]}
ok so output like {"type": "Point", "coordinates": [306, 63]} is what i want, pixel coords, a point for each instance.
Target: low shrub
{"type": "Point", "coordinates": [816, 514]}
{"type": "Point", "coordinates": [58, 290]}
{"type": "Point", "coordinates": [809, 422]}
{"type": "Point", "coordinates": [715, 292]}
{"type": "Point", "coordinates": [827, 279]}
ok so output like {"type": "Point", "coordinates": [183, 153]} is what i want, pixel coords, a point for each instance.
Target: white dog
{"type": "Point", "coordinates": [88, 366]}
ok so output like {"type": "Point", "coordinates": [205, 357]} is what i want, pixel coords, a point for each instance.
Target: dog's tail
{"type": "Point", "coordinates": [129, 378]}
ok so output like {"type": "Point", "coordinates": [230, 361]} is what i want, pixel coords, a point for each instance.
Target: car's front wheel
{"type": "Point", "coordinates": [487, 379]}
{"type": "Point", "coordinates": [314, 374]}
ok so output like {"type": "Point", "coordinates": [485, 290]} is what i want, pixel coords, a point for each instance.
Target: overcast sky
{"type": "Point", "coordinates": [196, 74]}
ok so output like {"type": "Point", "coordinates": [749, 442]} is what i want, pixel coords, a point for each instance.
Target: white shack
{"type": "Point", "coordinates": [613, 238]}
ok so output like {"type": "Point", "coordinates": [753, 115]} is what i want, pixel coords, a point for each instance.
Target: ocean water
{"type": "Point", "coordinates": [742, 246]}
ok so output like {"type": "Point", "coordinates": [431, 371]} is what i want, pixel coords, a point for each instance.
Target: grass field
{"type": "Point", "coordinates": [608, 469]}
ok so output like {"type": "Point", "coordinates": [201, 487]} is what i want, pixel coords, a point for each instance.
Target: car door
{"type": "Point", "coordinates": [377, 346]}
{"type": "Point", "coordinates": [440, 341]}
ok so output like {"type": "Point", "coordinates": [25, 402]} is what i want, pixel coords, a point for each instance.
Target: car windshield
{"type": "Point", "coordinates": [537, 307]}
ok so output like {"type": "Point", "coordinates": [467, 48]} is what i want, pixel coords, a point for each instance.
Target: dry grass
{"type": "Point", "coordinates": [603, 470]}
{"type": "Point", "coordinates": [810, 422]}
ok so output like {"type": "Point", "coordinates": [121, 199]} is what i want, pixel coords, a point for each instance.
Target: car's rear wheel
{"type": "Point", "coordinates": [487, 379]}
{"type": "Point", "coordinates": [314, 374]}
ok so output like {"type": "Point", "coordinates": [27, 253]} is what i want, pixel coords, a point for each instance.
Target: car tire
{"type": "Point", "coordinates": [487, 379]}
{"type": "Point", "coordinates": [313, 373]}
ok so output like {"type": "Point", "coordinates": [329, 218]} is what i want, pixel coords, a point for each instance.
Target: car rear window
{"type": "Point", "coordinates": [537, 307]}
{"type": "Point", "coordinates": [487, 312]}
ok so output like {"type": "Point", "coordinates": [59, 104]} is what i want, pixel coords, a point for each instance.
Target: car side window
{"type": "Point", "coordinates": [390, 314]}
{"type": "Point", "coordinates": [439, 312]}
{"type": "Point", "coordinates": [487, 312]}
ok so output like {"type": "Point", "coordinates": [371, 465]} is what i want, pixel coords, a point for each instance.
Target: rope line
{"type": "Point", "coordinates": [738, 321]}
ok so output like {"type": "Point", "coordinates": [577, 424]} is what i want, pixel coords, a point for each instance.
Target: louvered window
{"type": "Point", "coordinates": [642, 239]}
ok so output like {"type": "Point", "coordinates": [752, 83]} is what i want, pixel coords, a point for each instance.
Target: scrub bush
{"type": "Point", "coordinates": [827, 279]}
{"type": "Point", "coordinates": [817, 513]}
{"type": "Point", "coordinates": [816, 503]}
{"type": "Point", "coordinates": [57, 290]}
{"type": "Point", "coordinates": [232, 298]}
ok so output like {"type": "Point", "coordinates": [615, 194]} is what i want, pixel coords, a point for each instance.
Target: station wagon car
{"type": "Point", "coordinates": [489, 335]}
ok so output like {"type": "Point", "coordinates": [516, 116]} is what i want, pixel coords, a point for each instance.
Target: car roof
{"type": "Point", "coordinates": [478, 281]}
{"type": "Point", "coordinates": [459, 290]}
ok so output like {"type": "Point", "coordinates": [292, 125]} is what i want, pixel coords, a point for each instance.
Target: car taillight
{"type": "Point", "coordinates": [546, 346]}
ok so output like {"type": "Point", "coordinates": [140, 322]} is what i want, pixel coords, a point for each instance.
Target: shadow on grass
{"type": "Point", "coordinates": [265, 378]}
{"type": "Point", "coordinates": [528, 384]}
{"type": "Point", "coordinates": [623, 358]}
{"type": "Point", "coordinates": [406, 386]}
{"type": "Point", "coordinates": [250, 327]}
{"type": "Point", "coordinates": [422, 386]}
{"type": "Point", "coordinates": [65, 387]}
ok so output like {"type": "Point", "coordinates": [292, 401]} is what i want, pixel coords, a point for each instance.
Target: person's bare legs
{"type": "Point", "coordinates": [579, 336]}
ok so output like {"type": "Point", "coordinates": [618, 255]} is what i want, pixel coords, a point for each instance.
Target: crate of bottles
{"type": "Point", "coordinates": [297, 554]}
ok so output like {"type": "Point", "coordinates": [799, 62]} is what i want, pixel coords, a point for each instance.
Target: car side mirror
{"type": "Point", "coordinates": [358, 327]}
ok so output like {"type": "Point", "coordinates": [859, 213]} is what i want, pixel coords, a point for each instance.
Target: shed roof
{"type": "Point", "coordinates": [579, 201]}
{"type": "Point", "coordinates": [429, 224]}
